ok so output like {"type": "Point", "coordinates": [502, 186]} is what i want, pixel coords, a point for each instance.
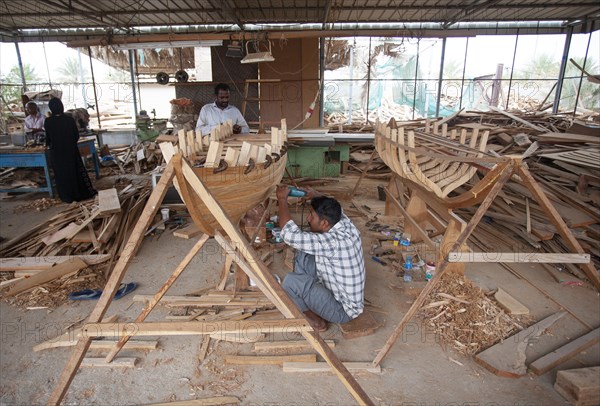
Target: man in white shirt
{"type": "Point", "coordinates": [34, 122]}
{"type": "Point", "coordinates": [219, 112]}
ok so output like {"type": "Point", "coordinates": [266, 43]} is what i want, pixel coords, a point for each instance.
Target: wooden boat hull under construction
{"type": "Point", "coordinates": [236, 191]}
{"type": "Point", "coordinates": [440, 163]}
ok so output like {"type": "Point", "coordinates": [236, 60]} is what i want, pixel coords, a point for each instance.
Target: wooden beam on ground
{"type": "Point", "coordinates": [269, 359]}
{"type": "Point", "coordinates": [579, 386]}
{"type": "Point", "coordinates": [294, 345]}
{"type": "Point", "coordinates": [101, 362]}
{"type": "Point", "coordinates": [90, 330]}
{"type": "Point", "coordinates": [187, 232]}
{"type": "Point", "coordinates": [507, 358]}
{"type": "Point", "coordinates": [116, 276]}
{"type": "Point", "coordinates": [564, 353]}
{"type": "Point", "coordinates": [483, 207]}
{"type": "Point", "coordinates": [324, 367]}
{"type": "Point", "coordinates": [519, 257]}
{"type": "Point", "coordinates": [212, 401]}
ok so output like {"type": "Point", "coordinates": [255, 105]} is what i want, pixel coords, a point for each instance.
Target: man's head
{"type": "Point", "coordinates": [222, 95]}
{"type": "Point", "coordinates": [325, 212]}
{"type": "Point", "coordinates": [31, 108]}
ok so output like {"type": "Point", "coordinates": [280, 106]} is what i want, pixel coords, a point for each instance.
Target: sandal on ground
{"type": "Point", "coordinates": [86, 294]}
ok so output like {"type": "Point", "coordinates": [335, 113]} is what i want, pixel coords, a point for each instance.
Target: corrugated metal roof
{"type": "Point", "coordinates": [75, 18]}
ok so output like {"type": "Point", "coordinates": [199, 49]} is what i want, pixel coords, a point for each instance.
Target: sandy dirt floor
{"type": "Point", "coordinates": [419, 370]}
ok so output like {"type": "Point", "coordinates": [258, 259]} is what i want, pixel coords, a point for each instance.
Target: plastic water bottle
{"type": "Point", "coordinates": [405, 240]}
{"type": "Point", "coordinates": [408, 268]}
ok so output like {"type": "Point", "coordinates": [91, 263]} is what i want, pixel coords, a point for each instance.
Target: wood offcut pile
{"type": "Point", "coordinates": [44, 263]}
{"type": "Point", "coordinates": [465, 318]}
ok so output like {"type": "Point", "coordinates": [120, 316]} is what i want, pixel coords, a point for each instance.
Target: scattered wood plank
{"type": "Point", "coordinates": [56, 272]}
{"type": "Point", "coordinates": [509, 303]}
{"type": "Point", "coordinates": [294, 345]}
{"type": "Point", "coordinates": [187, 232]}
{"type": "Point", "coordinates": [564, 353]}
{"type": "Point", "coordinates": [324, 367]}
{"type": "Point", "coordinates": [519, 257]}
{"type": "Point", "coordinates": [269, 359]}
{"type": "Point", "coordinates": [212, 401]}
{"type": "Point", "coordinates": [361, 326]}
{"type": "Point", "coordinates": [108, 202]}
{"type": "Point", "coordinates": [116, 363]}
{"type": "Point", "coordinates": [507, 358]}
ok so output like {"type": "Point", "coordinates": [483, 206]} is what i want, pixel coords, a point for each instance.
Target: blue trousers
{"type": "Point", "coordinates": [308, 293]}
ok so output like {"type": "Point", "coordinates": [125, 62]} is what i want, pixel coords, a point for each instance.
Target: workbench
{"type": "Point", "coordinates": [17, 157]}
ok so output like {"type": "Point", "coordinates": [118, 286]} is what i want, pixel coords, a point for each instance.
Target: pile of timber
{"type": "Point", "coordinates": [140, 158]}
{"type": "Point", "coordinates": [95, 231]}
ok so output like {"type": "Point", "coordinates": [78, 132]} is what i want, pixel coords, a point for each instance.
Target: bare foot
{"type": "Point", "coordinates": [316, 322]}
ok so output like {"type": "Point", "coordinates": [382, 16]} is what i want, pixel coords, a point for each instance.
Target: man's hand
{"type": "Point", "coordinates": [237, 129]}
{"type": "Point", "coordinates": [282, 192]}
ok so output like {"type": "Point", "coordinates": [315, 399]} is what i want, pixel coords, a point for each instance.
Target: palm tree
{"type": "Point", "coordinates": [12, 84]}
{"type": "Point", "coordinates": [69, 71]}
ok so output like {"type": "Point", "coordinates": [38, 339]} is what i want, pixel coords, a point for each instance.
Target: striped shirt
{"type": "Point", "coordinates": [339, 260]}
{"type": "Point", "coordinates": [211, 116]}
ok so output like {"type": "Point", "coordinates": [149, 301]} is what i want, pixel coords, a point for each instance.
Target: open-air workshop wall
{"type": "Point", "coordinates": [400, 77]}
{"type": "Point", "coordinates": [297, 66]}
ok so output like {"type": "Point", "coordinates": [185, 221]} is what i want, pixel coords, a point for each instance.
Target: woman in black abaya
{"type": "Point", "coordinates": [71, 177]}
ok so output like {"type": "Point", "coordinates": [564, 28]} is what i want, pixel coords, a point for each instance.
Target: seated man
{"type": "Point", "coordinates": [34, 122]}
{"type": "Point", "coordinates": [219, 112]}
{"type": "Point", "coordinates": [329, 270]}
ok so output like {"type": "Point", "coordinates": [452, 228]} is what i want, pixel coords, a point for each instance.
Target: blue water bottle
{"type": "Point", "coordinates": [408, 268]}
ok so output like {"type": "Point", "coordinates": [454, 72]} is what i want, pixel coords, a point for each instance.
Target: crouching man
{"type": "Point", "coordinates": [329, 269]}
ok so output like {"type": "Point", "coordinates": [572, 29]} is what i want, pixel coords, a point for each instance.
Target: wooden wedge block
{"type": "Point", "coordinates": [579, 386]}
{"type": "Point", "coordinates": [108, 202]}
{"type": "Point", "coordinates": [361, 326]}
{"type": "Point", "coordinates": [187, 232]}
{"type": "Point", "coordinates": [509, 303]}
{"type": "Point", "coordinates": [294, 345]}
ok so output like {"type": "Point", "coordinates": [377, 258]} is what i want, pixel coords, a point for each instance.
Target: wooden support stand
{"type": "Point", "coordinates": [237, 249]}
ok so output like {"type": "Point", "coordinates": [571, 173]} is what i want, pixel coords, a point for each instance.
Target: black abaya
{"type": "Point", "coordinates": [72, 180]}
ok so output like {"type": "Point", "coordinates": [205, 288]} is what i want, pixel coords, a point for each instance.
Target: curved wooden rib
{"type": "Point", "coordinates": [439, 163]}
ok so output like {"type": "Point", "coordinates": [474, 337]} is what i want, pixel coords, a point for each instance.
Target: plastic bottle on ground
{"type": "Point", "coordinates": [408, 268]}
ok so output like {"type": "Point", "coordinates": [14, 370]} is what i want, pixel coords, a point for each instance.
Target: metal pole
{"type": "Point", "coordinates": [563, 68]}
{"type": "Point", "coordinates": [512, 70]}
{"type": "Point", "coordinates": [322, 77]}
{"type": "Point", "coordinates": [94, 86]}
{"type": "Point", "coordinates": [21, 67]}
{"type": "Point", "coordinates": [462, 82]}
{"type": "Point", "coordinates": [581, 77]}
{"type": "Point", "coordinates": [81, 78]}
{"type": "Point", "coordinates": [368, 79]}
{"type": "Point", "coordinates": [416, 77]}
{"type": "Point", "coordinates": [439, 92]}
{"type": "Point", "coordinates": [132, 74]}
{"type": "Point", "coordinates": [349, 121]}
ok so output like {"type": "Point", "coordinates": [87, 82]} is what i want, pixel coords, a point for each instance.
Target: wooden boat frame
{"type": "Point", "coordinates": [429, 200]}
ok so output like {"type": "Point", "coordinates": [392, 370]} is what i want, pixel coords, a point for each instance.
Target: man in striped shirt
{"type": "Point", "coordinates": [329, 269]}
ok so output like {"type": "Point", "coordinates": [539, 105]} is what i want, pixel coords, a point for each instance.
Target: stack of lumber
{"type": "Point", "coordinates": [95, 231]}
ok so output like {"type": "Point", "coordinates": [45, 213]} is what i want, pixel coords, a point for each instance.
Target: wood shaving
{"type": "Point", "coordinates": [469, 324]}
